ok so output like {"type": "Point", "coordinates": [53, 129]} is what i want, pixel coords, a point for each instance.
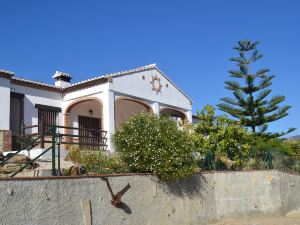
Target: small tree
{"type": "Point", "coordinates": [220, 141]}
{"type": "Point", "coordinates": [251, 105]}
{"type": "Point", "coordinates": [149, 144]}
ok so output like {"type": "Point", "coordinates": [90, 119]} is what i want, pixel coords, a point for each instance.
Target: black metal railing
{"type": "Point", "coordinates": [92, 139]}
{"type": "Point", "coordinates": [86, 138]}
{"type": "Point", "coordinates": [28, 145]}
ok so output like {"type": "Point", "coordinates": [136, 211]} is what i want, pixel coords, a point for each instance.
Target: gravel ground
{"type": "Point", "coordinates": [262, 221]}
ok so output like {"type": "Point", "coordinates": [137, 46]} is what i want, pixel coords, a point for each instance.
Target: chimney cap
{"type": "Point", "coordinates": [61, 74]}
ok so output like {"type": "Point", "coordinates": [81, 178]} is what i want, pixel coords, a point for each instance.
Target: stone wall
{"type": "Point", "coordinates": [5, 140]}
{"type": "Point", "coordinates": [198, 200]}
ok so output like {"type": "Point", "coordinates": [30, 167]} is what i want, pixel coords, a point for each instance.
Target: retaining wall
{"type": "Point", "coordinates": [198, 200]}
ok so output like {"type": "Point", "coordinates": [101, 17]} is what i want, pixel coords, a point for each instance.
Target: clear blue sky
{"type": "Point", "coordinates": [190, 41]}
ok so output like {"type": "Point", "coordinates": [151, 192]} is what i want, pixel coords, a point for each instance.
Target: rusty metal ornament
{"type": "Point", "coordinates": [156, 85]}
{"type": "Point", "coordinates": [116, 198]}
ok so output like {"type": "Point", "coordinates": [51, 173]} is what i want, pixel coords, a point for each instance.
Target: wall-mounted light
{"type": "Point", "coordinates": [90, 111]}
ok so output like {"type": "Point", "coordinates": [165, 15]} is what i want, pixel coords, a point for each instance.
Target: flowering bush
{"type": "Point", "coordinates": [148, 143]}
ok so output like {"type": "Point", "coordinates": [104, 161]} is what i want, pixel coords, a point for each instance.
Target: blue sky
{"type": "Point", "coordinates": [191, 41]}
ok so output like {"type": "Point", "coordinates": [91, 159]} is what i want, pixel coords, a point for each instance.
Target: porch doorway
{"type": "Point", "coordinates": [89, 132]}
{"type": "Point", "coordinates": [16, 118]}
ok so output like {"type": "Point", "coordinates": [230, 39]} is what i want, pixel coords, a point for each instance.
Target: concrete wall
{"type": "Point", "coordinates": [198, 200]}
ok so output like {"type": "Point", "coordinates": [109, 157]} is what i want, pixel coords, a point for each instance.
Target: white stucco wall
{"type": "Point", "coordinates": [37, 96]}
{"type": "Point", "coordinates": [135, 86]}
{"type": "Point", "coordinates": [4, 103]}
{"type": "Point", "coordinates": [109, 114]}
{"type": "Point", "coordinates": [103, 93]}
{"type": "Point", "coordinates": [86, 93]}
{"type": "Point", "coordinates": [72, 96]}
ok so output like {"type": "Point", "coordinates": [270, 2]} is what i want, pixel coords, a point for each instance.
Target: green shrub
{"type": "Point", "coordinates": [97, 161]}
{"type": "Point", "coordinates": [149, 144]}
{"type": "Point", "coordinates": [221, 142]}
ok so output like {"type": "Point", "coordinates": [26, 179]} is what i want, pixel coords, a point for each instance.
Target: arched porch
{"type": "Point", "coordinates": [174, 114]}
{"type": "Point", "coordinates": [127, 107]}
{"type": "Point", "coordinates": [85, 116]}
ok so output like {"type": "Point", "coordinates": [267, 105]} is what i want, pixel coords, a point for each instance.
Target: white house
{"type": "Point", "coordinates": [99, 103]}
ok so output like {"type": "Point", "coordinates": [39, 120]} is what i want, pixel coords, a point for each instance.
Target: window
{"type": "Point", "coordinates": [47, 115]}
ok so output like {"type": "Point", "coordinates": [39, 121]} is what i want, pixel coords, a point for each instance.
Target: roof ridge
{"type": "Point", "coordinates": [80, 82]}
{"type": "Point", "coordinates": [105, 76]}
{"type": "Point", "coordinates": [8, 72]}
{"type": "Point", "coordinates": [123, 72]}
{"type": "Point", "coordinates": [35, 82]}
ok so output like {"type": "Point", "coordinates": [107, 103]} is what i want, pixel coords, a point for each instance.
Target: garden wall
{"type": "Point", "coordinates": [198, 200]}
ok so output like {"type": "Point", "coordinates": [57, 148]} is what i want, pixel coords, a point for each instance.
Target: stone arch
{"type": "Point", "coordinates": [174, 114]}
{"type": "Point", "coordinates": [88, 107]}
{"type": "Point", "coordinates": [126, 107]}
{"type": "Point", "coordinates": [81, 100]}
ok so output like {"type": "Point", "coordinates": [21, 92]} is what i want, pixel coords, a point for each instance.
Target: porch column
{"type": "Point", "coordinates": [190, 116]}
{"type": "Point", "coordinates": [67, 123]}
{"type": "Point", "coordinates": [109, 116]}
{"type": "Point", "coordinates": [155, 108]}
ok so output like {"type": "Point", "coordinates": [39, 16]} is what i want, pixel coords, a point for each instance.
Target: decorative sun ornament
{"type": "Point", "coordinates": [156, 85]}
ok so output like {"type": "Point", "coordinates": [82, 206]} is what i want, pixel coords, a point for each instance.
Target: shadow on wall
{"type": "Point", "coordinates": [190, 186]}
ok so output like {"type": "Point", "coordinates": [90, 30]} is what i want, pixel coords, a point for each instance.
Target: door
{"type": "Point", "coordinates": [16, 118]}
{"type": "Point", "coordinates": [89, 132]}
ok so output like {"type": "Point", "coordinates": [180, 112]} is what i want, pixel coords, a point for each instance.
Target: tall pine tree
{"type": "Point", "coordinates": [251, 104]}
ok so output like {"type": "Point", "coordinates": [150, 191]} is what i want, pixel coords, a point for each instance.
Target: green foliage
{"type": "Point", "coordinates": [149, 144]}
{"type": "Point", "coordinates": [97, 161]}
{"type": "Point", "coordinates": [220, 141]}
{"type": "Point", "coordinates": [274, 153]}
{"type": "Point", "coordinates": [251, 104]}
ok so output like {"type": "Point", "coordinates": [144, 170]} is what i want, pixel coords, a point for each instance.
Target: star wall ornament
{"type": "Point", "coordinates": [156, 85]}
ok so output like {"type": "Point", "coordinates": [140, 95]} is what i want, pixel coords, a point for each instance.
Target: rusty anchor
{"type": "Point", "coordinates": [116, 198]}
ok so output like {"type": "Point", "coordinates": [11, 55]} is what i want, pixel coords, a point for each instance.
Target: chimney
{"type": "Point", "coordinates": [62, 79]}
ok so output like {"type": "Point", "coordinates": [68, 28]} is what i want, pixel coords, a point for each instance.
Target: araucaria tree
{"type": "Point", "coordinates": [252, 104]}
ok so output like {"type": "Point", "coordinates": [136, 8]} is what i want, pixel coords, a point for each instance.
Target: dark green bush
{"type": "Point", "coordinates": [274, 153]}
{"type": "Point", "coordinates": [149, 144]}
